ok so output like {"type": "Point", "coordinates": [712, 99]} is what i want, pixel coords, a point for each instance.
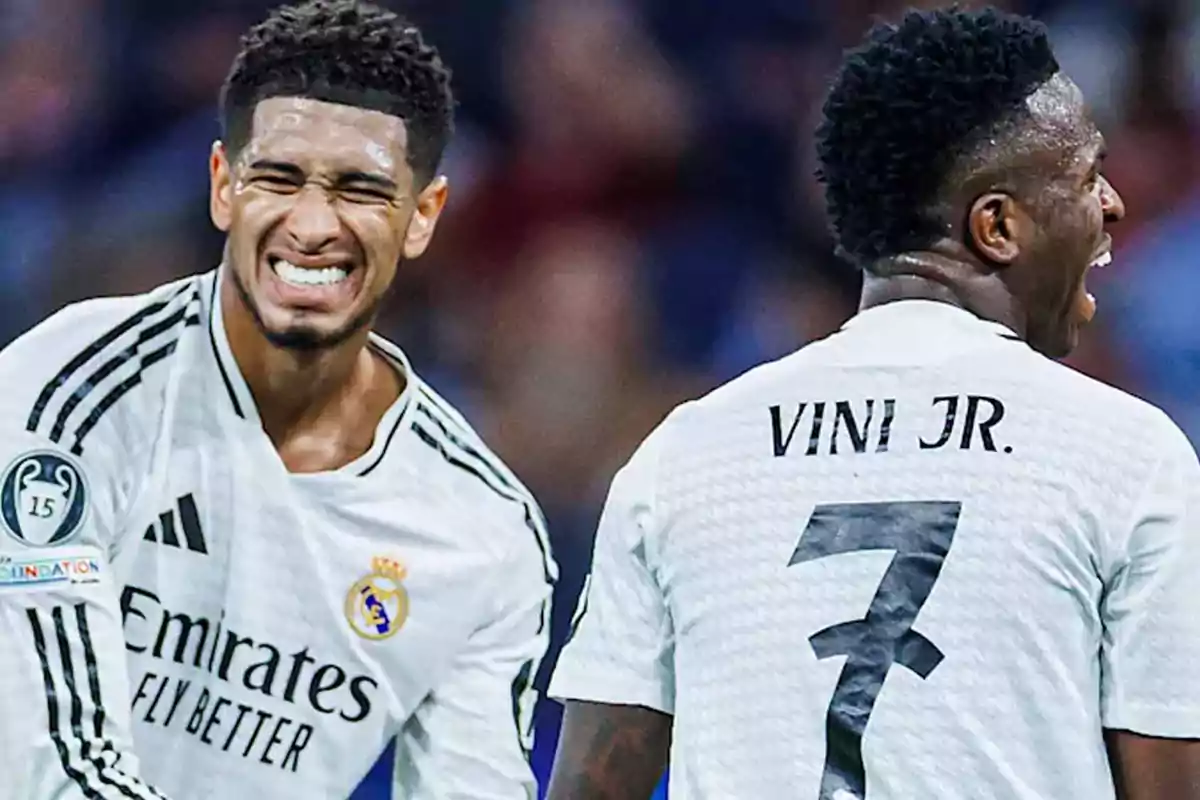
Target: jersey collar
{"type": "Point", "coordinates": [909, 314]}
{"type": "Point", "coordinates": [238, 390]}
{"type": "Point", "coordinates": [242, 401]}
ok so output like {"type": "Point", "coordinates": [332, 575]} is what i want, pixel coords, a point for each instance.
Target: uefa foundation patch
{"type": "Point", "coordinates": [68, 566]}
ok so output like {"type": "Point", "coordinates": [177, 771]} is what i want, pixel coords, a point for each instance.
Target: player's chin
{"type": "Point", "coordinates": [307, 334]}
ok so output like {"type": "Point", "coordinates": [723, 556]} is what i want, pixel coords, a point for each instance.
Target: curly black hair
{"type": "Point", "coordinates": [905, 106]}
{"type": "Point", "coordinates": [343, 51]}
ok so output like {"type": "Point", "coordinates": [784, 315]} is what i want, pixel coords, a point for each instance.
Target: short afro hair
{"type": "Point", "coordinates": [343, 51]}
{"type": "Point", "coordinates": [905, 106]}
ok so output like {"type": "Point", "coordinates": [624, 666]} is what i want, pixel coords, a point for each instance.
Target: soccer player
{"type": "Point", "coordinates": [242, 538]}
{"type": "Point", "coordinates": [918, 558]}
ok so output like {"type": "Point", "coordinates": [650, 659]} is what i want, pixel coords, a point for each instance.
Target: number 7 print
{"type": "Point", "coordinates": [920, 534]}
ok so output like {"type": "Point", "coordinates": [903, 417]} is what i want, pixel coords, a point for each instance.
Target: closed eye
{"type": "Point", "coordinates": [365, 194]}
{"type": "Point", "coordinates": [276, 183]}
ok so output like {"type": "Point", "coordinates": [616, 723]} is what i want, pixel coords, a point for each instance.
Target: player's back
{"type": "Point", "coordinates": [886, 563]}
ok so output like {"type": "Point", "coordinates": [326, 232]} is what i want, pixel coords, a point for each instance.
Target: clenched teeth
{"type": "Point", "coordinates": [299, 276]}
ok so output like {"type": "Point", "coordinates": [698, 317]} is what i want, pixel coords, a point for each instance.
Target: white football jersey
{"type": "Point", "coordinates": [170, 589]}
{"type": "Point", "coordinates": [914, 559]}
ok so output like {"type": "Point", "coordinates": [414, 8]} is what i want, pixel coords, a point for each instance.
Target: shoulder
{"type": "Point", "coordinates": [477, 479]}
{"type": "Point", "coordinates": [752, 384]}
{"type": "Point", "coordinates": [715, 416]}
{"type": "Point", "coordinates": [1124, 422]}
{"type": "Point", "coordinates": [69, 370]}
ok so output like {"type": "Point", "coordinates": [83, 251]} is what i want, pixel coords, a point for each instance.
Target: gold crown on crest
{"type": "Point", "coordinates": [388, 568]}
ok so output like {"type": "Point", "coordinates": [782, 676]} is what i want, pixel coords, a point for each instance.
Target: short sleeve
{"type": "Point", "coordinates": [1151, 610]}
{"type": "Point", "coordinates": [621, 646]}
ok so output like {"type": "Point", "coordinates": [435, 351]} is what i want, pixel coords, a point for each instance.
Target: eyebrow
{"type": "Point", "coordinates": [277, 166]}
{"type": "Point", "coordinates": [373, 178]}
{"type": "Point", "coordinates": [342, 179]}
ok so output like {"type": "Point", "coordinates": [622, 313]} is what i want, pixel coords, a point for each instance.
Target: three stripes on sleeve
{"type": "Point", "coordinates": [75, 706]}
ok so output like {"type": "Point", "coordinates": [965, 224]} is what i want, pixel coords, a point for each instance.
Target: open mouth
{"type": "Point", "coordinates": [1085, 300]}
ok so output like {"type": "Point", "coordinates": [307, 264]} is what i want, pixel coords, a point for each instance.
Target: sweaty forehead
{"type": "Point", "coordinates": [315, 134]}
{"type": "Point", "coordinates": [1060, 120]}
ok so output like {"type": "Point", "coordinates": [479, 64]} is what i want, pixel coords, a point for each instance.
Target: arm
{"type": "Point", "coordinates": [1153, 768]}
{"type": "Point", "coordinates": [1150, 698]}
{"type": "Point", "coordinates": [65, 732]}
{"type": "Point", "coordinates": [471, 739]}
{"type": "Point", "coordinates": [616, 672]}
{"type": "Point", "coordinates": [610, 752]}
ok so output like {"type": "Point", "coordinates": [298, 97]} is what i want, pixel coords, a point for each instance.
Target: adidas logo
{"type": "Point", "coordinates": [183, 518]}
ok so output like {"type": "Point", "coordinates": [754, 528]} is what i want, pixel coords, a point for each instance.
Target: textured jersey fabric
{"type": "Point", "coordinates": [249, 632]}
{"type": "Point", "coordinates": [914, 559]}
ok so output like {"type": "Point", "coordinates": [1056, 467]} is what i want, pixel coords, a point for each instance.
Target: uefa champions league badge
{"type": "Point", "coordinates": [377, 604]}
{"type": "Point", "coordinates": [43, 499]}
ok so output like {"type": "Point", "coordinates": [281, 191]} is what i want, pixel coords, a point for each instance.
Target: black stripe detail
{"type": "Point", "coordinates": [87, 745]}
{"type": "Point", "coordinates": [511, 494]}
{"type": "Point", "coordinates": [64, 653]}
{"type": "Point", "coordinates": [100, 715]}
{"type": "Point", "coordinates": [87, 354]}
{"type": "Point", "coordinates": [580, 610]}
{"type": "Point", "coordinates": [524, 679]}
{"type": "Point", "coordinates": [189, 520]}
{"type": "Point", "coordinates": [432, 441]}
{"type": "Point", "coordinates": [93, 671]}
{"type": "Point", "coordinates": [64, 756]}
{"type": "Point", "coordinates": [457, 440]}
{"type": "Point", "coordinates": [507, 490]}
{"type": "Point", "coordinates": [387, 443]}
{"type": "Point", "coordinates": [212, 337]}
{"type": "Point", "coordinates": [186, 518]}
{"type": "Point", "coordinates": [123, 388]}
{"type": "Point", "coordinates": [464, 432]}
{"type": "Point", "coordinates": [111, 366]}
{"type": "Point", "coordinates": [520, 685]}
{"type": "Point", "coordinates": [166, 523]}
{"type": "Point", "coordinates": [543, 546]}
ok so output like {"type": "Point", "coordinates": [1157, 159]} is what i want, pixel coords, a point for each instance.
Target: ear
{"type": "Point", "coordinates": [220, 197]}
{"type": "Point", "coordinates": [995, 227]}
{"type": "Point", "coordinates": [430, 203]}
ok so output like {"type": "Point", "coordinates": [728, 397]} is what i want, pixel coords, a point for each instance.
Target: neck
{"type": "Point", "coordinates": [943, 279]}
{"type": "Point", "coordinates": [294, 390]}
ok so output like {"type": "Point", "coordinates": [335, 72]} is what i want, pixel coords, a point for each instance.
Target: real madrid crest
{"type": "Point", "coordinates": [377, 604]}
{"type": "Point", "coordinates": [43, 499]}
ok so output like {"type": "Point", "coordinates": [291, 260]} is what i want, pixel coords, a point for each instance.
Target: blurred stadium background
{"type": "Point", "coordinates": [632, 215]}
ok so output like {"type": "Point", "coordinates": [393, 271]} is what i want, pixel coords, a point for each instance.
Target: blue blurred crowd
{"type": "Point", "coordinates": [632, 218]}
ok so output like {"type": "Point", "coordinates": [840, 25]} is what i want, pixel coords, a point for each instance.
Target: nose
{"type": "Point", "coordinates": [313, 223]}
{"type": "Point", "coordinates": [1110, 201]}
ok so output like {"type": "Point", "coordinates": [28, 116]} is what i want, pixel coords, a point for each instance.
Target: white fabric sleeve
{"type": "Point", "coordinates": [621, 646]}
{"type": "Point", "coordinates": [1151, 609]}
{"type": "Point", "coordinates": [65, 729]}
{"type": "Point", "coordinates": [471, 739]}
